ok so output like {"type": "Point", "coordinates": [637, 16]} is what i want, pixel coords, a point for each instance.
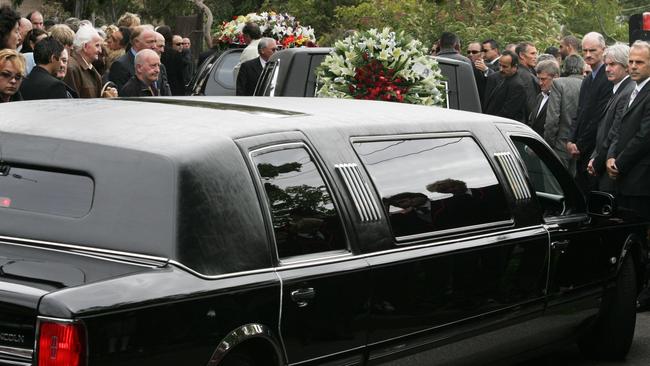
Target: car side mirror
{"type": "Point", "coordinates": [601, 204]}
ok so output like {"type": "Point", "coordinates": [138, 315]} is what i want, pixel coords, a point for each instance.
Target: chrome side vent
{"type": "Point", "coordinates": [360, 192]}
{"type": "Point", "coordinates": [514, 175]}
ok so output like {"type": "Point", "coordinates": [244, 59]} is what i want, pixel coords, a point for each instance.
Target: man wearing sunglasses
{"type": "Point", "coordinates": [478, 65]}
{"type": "Point", "coordinates": [12, 72]}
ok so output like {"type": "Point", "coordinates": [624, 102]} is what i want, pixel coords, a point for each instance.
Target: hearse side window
{"type": "Point", "coordinates": [434, 184]}
{"type": "Point", "coordinates": [555, 192]}
{"type": "Point", "coordinates": [305, 220]}
{"type": "Point", "coordinates": [45, 191]}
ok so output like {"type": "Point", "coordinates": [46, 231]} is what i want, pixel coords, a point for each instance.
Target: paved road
{"type": "Point", "coordinates": [639, 353]}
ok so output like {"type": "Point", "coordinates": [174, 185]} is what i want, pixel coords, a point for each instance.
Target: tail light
{"type": "Point", "coordinates": [61, 344]}
{"type": "Point", "coordinates": [646, 21]}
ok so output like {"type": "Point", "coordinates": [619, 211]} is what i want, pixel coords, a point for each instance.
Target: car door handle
{"type": "Point", "coordinates": [302, 296]}
{"type": "Point", "coordinates": [560, 245]}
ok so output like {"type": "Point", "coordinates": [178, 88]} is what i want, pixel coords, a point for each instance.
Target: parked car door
{"type": "Point", "coordinates": [215, 76]}
{"type": "Point", "coordinates": [460, 265]}
{"type": "Point", "coordinates": [581, 257]}
{"type": "Point", "coordinates": [325, 290]}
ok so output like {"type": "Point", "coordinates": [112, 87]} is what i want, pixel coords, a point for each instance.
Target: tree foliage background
{"type": "Point", "coordinates": [543, 22]}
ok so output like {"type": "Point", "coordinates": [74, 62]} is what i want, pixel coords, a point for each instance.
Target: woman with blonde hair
{"type": "Point", "coordinates": [12, 72]}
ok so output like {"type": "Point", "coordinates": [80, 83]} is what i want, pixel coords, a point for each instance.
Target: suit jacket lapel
{"type": "Point", "coordinates": [639, 97]}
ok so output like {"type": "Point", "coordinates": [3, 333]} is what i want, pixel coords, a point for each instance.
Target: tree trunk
{"type": "Point", "coordinates": [207, 21]}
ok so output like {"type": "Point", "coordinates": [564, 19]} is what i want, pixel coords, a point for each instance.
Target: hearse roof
{"type": "Point", "coordinates": [168, 124]}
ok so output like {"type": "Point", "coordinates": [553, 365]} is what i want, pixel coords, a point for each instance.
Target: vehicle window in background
{"type": "Point", "coordinates": [436, 184]}
{"type": "Point", "coordinates": [46, 192]}
{"type": "Point", "coordinates": [305, 220]}
{"type": "Point", "coordinates": [545, 180]}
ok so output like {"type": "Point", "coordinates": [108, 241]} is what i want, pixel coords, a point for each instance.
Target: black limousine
{"type": "Point", "coordinates": [299, 231]}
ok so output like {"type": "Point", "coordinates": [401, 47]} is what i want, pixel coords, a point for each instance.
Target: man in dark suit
{"type": "Point", "coordinates": [547, 71]}
{"type": "Point", "coordinates": [123, 68]}
{"type": "Point", "coordinates": [629, 154]}
{"type": "Point", "coordinates": [41, 83]}
{"type": "Point", "coordinates": [478, 65]}
{"type": "Point", "coordinates": [595, 92]}
{"type": "Point", "coordinates": [251, 70]}
{"type": "Point", "coordinates": [147, 70]}
{"type": "Point", "coordinates": [491, 54]}
{"type": "Point", "coordinates": [527, 53]}
{"type": "Point", "coordinates": [616, 68]}
{"type": "Point", "coordinates": [504, 91]}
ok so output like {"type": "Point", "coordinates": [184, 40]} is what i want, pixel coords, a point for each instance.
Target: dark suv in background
{"type": "Point", "coordinates": [292, 73]}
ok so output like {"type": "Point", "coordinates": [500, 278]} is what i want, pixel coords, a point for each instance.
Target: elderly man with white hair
{"type": "Point", "coordinates": [82, 76]}
{"type": "Point", "coordinates": [147, 71]}
{"type": "Point", "coordinates": [595, 92]}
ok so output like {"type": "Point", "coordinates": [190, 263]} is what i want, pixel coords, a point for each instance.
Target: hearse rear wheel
{"type": "Point", "coordinates": [611, 336]}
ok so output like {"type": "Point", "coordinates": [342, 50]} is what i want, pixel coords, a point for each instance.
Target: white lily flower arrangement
{"type": "Point", "coordinates": [381, 66]}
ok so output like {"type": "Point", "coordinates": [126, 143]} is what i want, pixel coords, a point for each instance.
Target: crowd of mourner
{"type": "Point", "coordinates": [589, 101]}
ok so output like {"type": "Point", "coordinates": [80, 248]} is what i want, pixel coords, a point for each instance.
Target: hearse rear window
{"type": "Point", "coordinates": [433, 185]}
{"type": "Point", "coordinates": [45, 191]}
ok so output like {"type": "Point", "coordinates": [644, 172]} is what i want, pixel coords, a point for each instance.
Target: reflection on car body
{"type": "Point", "coordinates": [295, 231]}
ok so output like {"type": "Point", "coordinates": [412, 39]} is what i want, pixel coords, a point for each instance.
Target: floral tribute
{"type": "Point", "coordinates": [381, 66]}
{"type": "Point", "coordinates": [282, 27]}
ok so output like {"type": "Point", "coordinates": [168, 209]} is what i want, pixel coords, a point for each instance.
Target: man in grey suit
{"type": "Point", "coordinates": [563, 107]}
{"type": "Point", "coordinates": [629, 154]}
{"type": "Point", "coordinates": [616, 68]}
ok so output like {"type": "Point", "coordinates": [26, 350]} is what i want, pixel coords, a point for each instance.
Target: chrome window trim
{"type": "Point", "coordinates": [455, 242]}
{"type": "Point", "coordinates": [415, 136]}
{"type": "Point", "coordinates": [107, 254]}
{"type": "Point", "coordinates": [514, 175]}
{"type": "Point", "coordinates": [488, 225]}
{"type": "Point", "coordinates": [446, 84]}
{"type": "Point", "coordinates": [221, 276]}
{"type": "Point", "coordinates": [274, 78]}
{"type": "Point", "coordinates": [359, 191]}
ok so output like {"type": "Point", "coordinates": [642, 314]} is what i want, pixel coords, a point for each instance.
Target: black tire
{"type": "Point", "coordinates": [612, 334]}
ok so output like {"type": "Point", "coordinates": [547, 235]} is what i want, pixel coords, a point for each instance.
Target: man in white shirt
{"type": "Point", "coordinates": [252, 69]}
{"type": "Point", "coordinates": [252, 36]}
{"type": "Point", "coordinates": [547, 71]}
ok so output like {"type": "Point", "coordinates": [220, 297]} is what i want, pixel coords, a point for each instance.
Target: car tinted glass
{"type": "Point", "coordinates": [545, 175]}
{"type": "Point", "coordinates": [429, 185]}
{"type": "Point", "coordinates": [225, 76]}
{"type": "Point", "coordinates": [46, 192]}
{"type": "Point", "coordinates": [305, 220]}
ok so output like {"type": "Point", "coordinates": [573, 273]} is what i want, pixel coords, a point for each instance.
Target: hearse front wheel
{"type": "Point", "coordinates": [612, 333]}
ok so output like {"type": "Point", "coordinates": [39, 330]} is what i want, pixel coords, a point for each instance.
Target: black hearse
{"type": "Point", "coordinates": [292, 73]}
{"type": "Point", "coordinates": [286, 231]}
